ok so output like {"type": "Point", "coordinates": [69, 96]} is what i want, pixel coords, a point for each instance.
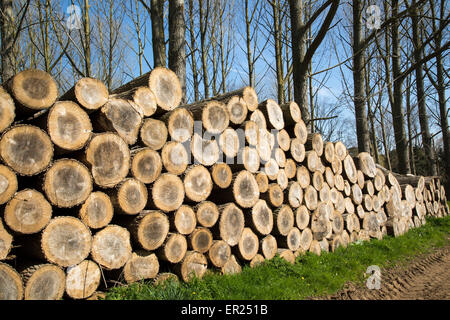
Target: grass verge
{"type": "Point", "coordinates": [311, 275]}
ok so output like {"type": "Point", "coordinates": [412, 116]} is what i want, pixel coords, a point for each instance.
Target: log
{"type": "Point", "coordinates": [142, 97]}
{"type": "Point", "coordinates": [329, 154]}
{"type": "Point", "coordinates": [303, 177]}
{"type": "Point", "coordinates": [245, 189]}
{"type": "Point", "coordinates": [340, 150]}
{"type": "Point", "coordinates": [119, 116]}
{"type": "Point", "coordinates": [321, 226]}
{"type": "Point", "coordinates": [258, 117]}
{"type": "Point", "coordinates": [184, 220]}
{"type": "Point", "coordinates": [300, 131]}
{"type": "Point", "coordinates": [282, 179]}
{"type": "Point", "coordinates": [314, 142]}
{"type": "Point", "coordinates": [11, 285]}
{"type": "Point", "coordinates": [264, 146]}
{"type": "Point", "coordinates": [248, 94]}
{"type": "Point", "coordinates": [272, 169]}
{"type": "Point", "coordinates": [237, 109]}
{"type": "Point", "coordinates": [280, 157]}
{"type": "Point", "coordinates": [302, 217]}
{"type": "Point", "coordinates": [379, 180]}
{"type": "Point", "coordinates": [68, 126]}
{"type": "Point", "coordinates": [43, 282]}
{"type": "Point", "coordinates": [180, 124]}
{"type": "Point", "coordinates": [231, 266]}
{"type": "Point", "coordinates": [317, 180]}
{"type": "Point", "coordinates": [193, 264]}
{"type": "Point", "coordinates": [263, 182]}
{"type": "Point", "coordinates": [306, 239]}
{"type": "Point", "coordinates": [337, 222]}
{"type": "Point", "coordinates": [213, 115]}
{"type": "Point", "coordinates": [292, 240]}
{"type": "Point", "coordinates": [200, 240]}
{"type": "Point", "coordinates": [283, 140]}
{"type": "Point", "coordinates": [67, 183]}
{"type": "Point", "coordinates": [153, 133]}
{"type": "Point", "coordinates": [248, 245]}
{"type": "Point", "coordinates": [297, 150]}
{"type": "Point", "coordinates": [370, 223]}
{"type": "Point", "coordinates": [248, 159]}
{"type": "Point", "coordinates": [206, 213]}
{"type": "Point", "coordinates": [219, 253]}
{"type": "Point", "coordinates": [90, 93]}
{"type": "Point", "coordinates": [409, 194]}
{"type": "Point", "coordinates": [146, 164]}
{"type": "Point", "coordinates": [197, 183]}
{"type": "Point", "coordinates": [324, 193]}
{"type": "Point", "coordinates": [82, 280]}
{"type": "Point", "coordinates": [28, 212]}
{"type": "Point", "coordinates": [26, 149]}
{"type": "Point", "coordinates": [290, 168]}
{"type": "Point", "coordinates": [7, 110]}
{"type": "Point", "coordinates": [97, 211]}
{"type": "Point", "coordinates": [268, 246]}
{"type": "Point", "coordinates": [221, 175]}
{"type": "Point", "coordinates": [205, 152]}
{"type": "Point", "coordinates": [366, 164]}
{"type": "Point", "coordinates": [310, 197]}
{"type": "Point", "coordinates": [257, 260]}
{"type": "Point", "coordinates": [167, 193]}
{"type": "Point", "coordinates": [111, 247]}
{"type": "Point", "coordinates": [141, 266]}
{"type": "Point", "coordinates": [32, 91]}
{"type": "Point", "coordinates": [350, 169]}
{"type": "Point", "coordinates": [291, 113]}
{"type": "Point", "coordinates": [130, 198]}
{"type": "Point", "coordinates": [347, 188]}
{"type": "Point", "coordinates": [229, 142]}
{"type": "Point", "coordinates": [356, 194]}
{"type": "Point", "coordinates": [286, 255]}
{"type": "Point", "coordinates": [361, 180]}
{"type": "Point", "coordinates": [149, 229]}
{"type": "Point", "coordinates": [5, 242]}
{"type": "Point", "coordinates": [369, 188]}
{"type": "Point", "coordinates": [294, 194]}
{"type": "Point", "coordinates": [231, 223]}
{"type": "Point", "coordinates": [108, 157]}
{"type": "Point", "coordinates": [164, 277]}
{"type": "Point", "coordinates": [273, 113]}
{"type": "Point", "coordinates": [274, 196]}
{"type": "Point", "coordinates": [251, 132]}
{"type": "Point", "coordinates": [8, 184]}
{"type": "Point", "coordinates": [65, 241]}
{"type": "Point", "coordinates": [163, 82]}
{"type": "Point", "coordinates": [260, 218]}
{"type": "Point", "coordinates": [367, 202]}
{"type": "Point", "coordinates": [284, 220]}
{"type": "Point", "coordinates": [312, 161]}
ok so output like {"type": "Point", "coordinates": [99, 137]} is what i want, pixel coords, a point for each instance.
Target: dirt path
{"type": "Point", "coordinates": [427, 277]}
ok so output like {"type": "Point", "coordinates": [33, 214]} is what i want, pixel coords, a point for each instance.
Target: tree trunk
{"type": "Point", "coordinates": [158, 38]}
{"type": "Point", "coordinates": [8, 60]}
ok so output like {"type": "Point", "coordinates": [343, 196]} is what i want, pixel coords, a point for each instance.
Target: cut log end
{"type": "Point", "coordinates": [197, 183]}
{"type": "Point", "coordinates": [237, 110]}
{"type": "Point", "coordinates": [141, 266]}
{"type": "Point", "coordinates": [168, 192]}
{"type": "Point", "coordinates": [245, 189]}
{"type": "Point", "coordinates": [97, 211]}
{"type": "Point", "coordinates": [11, 285]}
{"type": "Point", "coordinates": [222, 175]}
{"type": "Point", "coordinates": [193, 264]}
{"type": "Point", "coordinates": [184, 220]}
{"type": "Point", "coordinates": [231, 223]}
{"type": "Point", "coordinates": [7, 110]}
{"type": "Point", "coordinates": [180, 125]}
{"type": "Point", "coordinates": [131, 196]}
{"type": "Point", "coordinates": [200, 240]}
{"type": "Point", "coordinates": [165, 84]}
{"type": "Point", "coordinates": [207, 214]}
{"type": "Point", "coordinates": [219, 253]}
{"type": "Point", "coordinates": [8, 184]}
{"type": "Point", "coordinates": [174, 248]}
{"type": "Point", "coordinates": [82, 280]}
{"type": "Point", "coordinates": [153, 133]}
{"type": "Point", "coordinates": [146, 165]}
{"type": "Point", "coordinates": [90, 93]}
{"type": "Point", "coordinates": [44, 282]}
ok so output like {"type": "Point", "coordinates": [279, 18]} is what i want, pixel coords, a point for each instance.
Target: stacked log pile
{"type": "Point", "coordinates": [99, 187]}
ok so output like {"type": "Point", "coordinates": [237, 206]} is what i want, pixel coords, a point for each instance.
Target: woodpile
{"type": "Point", "coordinates": [101, 187]}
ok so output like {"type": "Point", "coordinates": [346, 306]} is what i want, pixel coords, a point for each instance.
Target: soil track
{"type": "Point", "coordinates": [426, 277]}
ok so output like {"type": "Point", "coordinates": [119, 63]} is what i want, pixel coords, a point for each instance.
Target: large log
{"type": "Point", "coordinates": [26, 149]}
{"type": "Point", "coordinates": [90, 93]}
{"type": "Point", "coordinates": [43, 282]}
{"type": "Point", "coordinates": [291, 113]}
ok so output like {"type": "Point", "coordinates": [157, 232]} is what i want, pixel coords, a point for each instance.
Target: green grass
{"type": "Point", "coordinates": [311, 275]}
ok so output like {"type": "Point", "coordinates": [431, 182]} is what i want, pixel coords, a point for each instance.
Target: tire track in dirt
{"type": "Point", "coordinates": [427, 277]}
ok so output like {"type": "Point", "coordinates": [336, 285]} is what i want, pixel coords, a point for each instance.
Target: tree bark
{"type": "Point", "coordinates": [158, 38]}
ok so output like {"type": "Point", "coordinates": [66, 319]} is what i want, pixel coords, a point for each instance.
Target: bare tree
{"type": "Point", "coordinates": [177, 49]}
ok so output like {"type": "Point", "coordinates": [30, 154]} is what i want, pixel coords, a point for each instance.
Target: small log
{"type": "Point", "coordinates": [310, 197]}
{"type": "Point", "coordinates": [284, 220]}
{"type": "Point", "coordinates": [7, 110]}
{"type": "Point", "coordinates": [336, 166]}
{"type": "Point", "coordinates": [409, 194]}
{"type": "Point", "coordinates": [290, 168]}
{"type": "Point", "coordinates": [297, 150]}
{"type": "Point", "coordinates": [219, 253]}
{"type": "Point", "coordinates": [108, 157]}
{"type": "Point", "coordinates": [294, 194]}
{"type": "Point", "coordinates": [300, 131]}
{"type": "Point", "coordinates": [379, 180]}
{"type": "Point", "coordinates": [248, 245]}
{"type": "Point", "coordinates": [302, 217]}
{"type": "Point", "coordinates": [251, 132]}
{"type": "Point", "coordinates": [141, 266]}
{"type": "Point", "coordinates": [264, 146]}
{"type": "Point", "coordinates": [8, 184]}
{"type": "Point", "coordinates": [146, 164]}
{"type": "Point", "coordinates": [369, 188]}
{"type": "Point", "coordinates": [90, 93]}
{"type": "Point", "coordinates": [292, 240]}
{"type": "Point", "coordinates": [26, 149]}
{"type": "Point", "coordinates": [142, 97]}
{"type": "Point", "coordinates": [167, 193]}
{"type": "Point", "coordinates": [347, 188]}
{"type": "Point", "coordinates": [197, 183]}
{"type": "Point", "coordinates": [205, 152]}
{"type": "Point", "coordinates": [361, 180]}
{"type": "Point", "coordinates": [248, 159]}
{"type": "Point", "coordinates": [222, 175]}
{"type": "Point", "coordinates": [248, 94]}
{"type": "Point", "coordinates": [173, 249]}
{"type": "Point", "coordinates": [257, 260]}
{"type": "Point", "coordinates": [339, 182]}
{"type": "Point", "coordinates": [164, 277]}
{"type": "Point", "coordinates": [286, 255]}
{"type": "Point", "coordinates": [111, 247]}
{"type": "Point", "coordinates": [193, 264]}
{"type": "Point", "coordinates": [283, 140]}
{"type": "Point", "coordinates": [28, 212]}
{"type": "Point", "coordinates": [340, 150]}
{"type": "Point", "coordinates": [120, 116]}
{"type": "Point", "coordinates": [366, 164]}
{"type": "Point", "coordinates": [231, 266]}
{"type": "Point", "coordinates": [245, 189]}
{"type": "Point", "coordinates": [306, 239]}
{"type": "Point", "coordinates": [237, 109]}
{"type": "Point", "coordinates": [370, 223]}
{"type": "Point", "coordinates": [180, 124]}
{"type": "Point", "coordinates": [97, 211]}
{"type": "Point", "coordinates": [329, 154]}
{"type": "Point", "coordinates": [272, 169]}
{"type": "Point", "coordinates": [163, 82]}
{"type": "Point", "coordinates": [200, 240]}
{"type": "Point", "coordinates": [312, 161]}
{"type": "Point", "coordinates": [317, 180]}
{"type": "Point", "coordinates": [184, 220]}
{"type": "Point", "coordinates": [329, 177]}
{"type": "Point", "coordinates": [206, 213]}
{"type": "Point", "coordinates": [314, 142]}
{"type": "Point", "coordinates": [350, 169]}
{"type": "Point", "coordinates": [337, 222]}
{"type": "Point", "coordinates": [263, 182]}
{"type": "Point", "coordinates": [32, 91]}
{"type": "Point", "coordinates": [274, 196]}
{"type": "Point", "coordinates": [229, 142]}
{"type": "Point", "coordinates": [324, 193]}
{"type": "Point", "coordinates": [65, 241]}
{"type": "Point", "coordinates": [273, 113]}
{"type": "Point", "coordinates": [213, 115]}
{"type": "Point", "coordinates": [258, 117]}
{"type": "Point", "coordinates": [11, 285]}
{"type": "Point", "coordinates": [67, 183]}
{"type": "Point", "coordinates": [320, 222]}
{"type": "Point", "coordinates": [280, 157]}
{"type": "Point", "coordinates": [291, 113]}
{"type": "Point", "coordinates": [130, 198]}
{"type": "Point", "coordinates": [282, 179]}
{"type": "Point", "coordinates": [231, 223]}
{"type": "Point", "coordinates": [43, 282]}
{"type": "Point", "coordinates": [5, 242]}
{"type": "Point", "coordinates": [367, 202]}
{"type": "Point", "coordinates": [68, 126]}
{"type": "Point", "coordinates": [149, 229]}
{"type": "Point", "coordinates": [82, 280]}
{"type": "Point", "coordinates": [356, 194]}
{"type": "Point", "coordinates": [268, 246]}
{"type": "Point", "coordinates": [303, 177]}
{"type": "Point", "coordinates": [153, 133]}
{"type": "Point", "coordinates": [260, 219]}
